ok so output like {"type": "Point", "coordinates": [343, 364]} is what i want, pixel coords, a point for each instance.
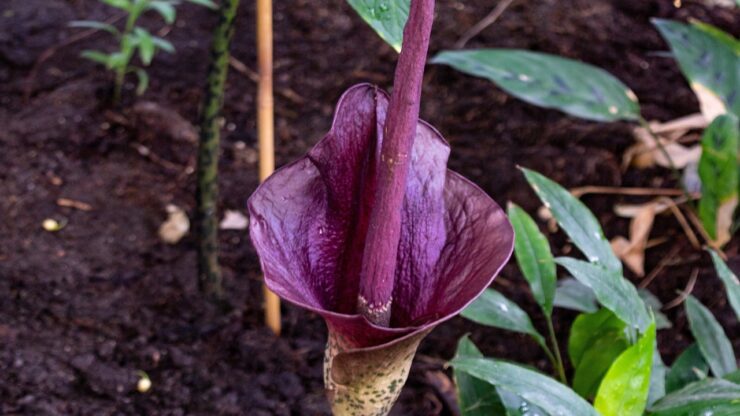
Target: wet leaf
{"type": "Point", "coordinates": [576, 220]}
{"type": "Point", "coordinates": [612, 290]}
{"type": "Point", "coordinates": [494, 309]}
{"type": "Point", "coordinates": [540, 390]}
{"type": "Point", "coordinates": [689, 367]}
{"type": "Point", "coordinates": [707, 59]}
{"type": "Point", "coordinates": [516, 406]}
{"type": "Point", "coordinates": [476, 397]}
{"type": "Point", "coordinates": [386, 17]}
{"type": "Point", "coordinates": [730, 280]}
{"type": "Point", "coordinates": [533, 256]}
{"type": "Point", "coordinates": [718, 170]}
{"type": "Point", "coordinates": [712, 340]}
{"type": "Point", "coordinates": [574, 295]}
{"type": "Point", "coordinates": [657, 378]}
{"type": "Point", "coordinates": [661, 321]}
{"type": "Point", "coordinates": [549, 81]}
{"type": "Point", "coordinates": [624, 389]}
{"type": "Point", "coordinates": [710, 397]}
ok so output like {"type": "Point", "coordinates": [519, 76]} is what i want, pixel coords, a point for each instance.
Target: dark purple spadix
{"type": "Point", "coordinates": [345, 223]}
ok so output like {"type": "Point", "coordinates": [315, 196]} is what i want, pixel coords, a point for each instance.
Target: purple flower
{"type": "Point", "coordinates": [326, 243]}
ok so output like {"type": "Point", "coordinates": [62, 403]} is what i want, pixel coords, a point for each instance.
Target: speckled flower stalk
{"type": "Point", "coordinates": [311, 224]}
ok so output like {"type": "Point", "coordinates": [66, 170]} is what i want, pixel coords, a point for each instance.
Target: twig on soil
{"type": "Point", "coordinates": [147, 153]}
{"type": "Point", "coordinates": [243, 69]}
{"type": "Point", "coordinates": [49, 52]}
{"type": "Point", "coordinates": [583, 190]}
{"type": "Point", "coordinates": [484, 23]}
{"type": "Point", "coordinates": [71, 203]}
{"type": "Point", "coordinates": [684, 293]}
{"type": "Point", "coordinates": [660, 267]}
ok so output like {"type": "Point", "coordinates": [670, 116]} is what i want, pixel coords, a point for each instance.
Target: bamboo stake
{"type": "Point", "coordinates": [209, 272]}
{"type": "Point", "coordinates": [266, 129]}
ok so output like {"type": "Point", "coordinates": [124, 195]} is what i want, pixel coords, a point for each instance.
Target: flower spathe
{"type": "Point", "coordinates": [309, 220]}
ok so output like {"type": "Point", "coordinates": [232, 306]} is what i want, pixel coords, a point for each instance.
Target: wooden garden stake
{"type": "Point", "coordinates": [265, 129]}
{"type": "Point", "coordinates": [209, 272]}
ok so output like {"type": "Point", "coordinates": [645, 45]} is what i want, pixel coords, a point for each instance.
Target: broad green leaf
{"type": "Point", "coordinates": [493, 309]}
{"type": "Point", "coordinates": [549, 81]}
{"type": "Point", "coordinates": [119, 4]}
{"type": "Point", "coordinates": [589, 327]}
{"type": "Point", "coordinates": [386, 17]}
{"type": "Point", "coordinates": [612, 290]}
{"type": "Point", "coordinates": [516, 406]}
{"type": "Point", "coordinates": [538, 389]}
{"type": "Point", "coordinates": [712, 340]}
{"type": "Point", "coordinates": [718, 170]}
{"type": "Point", "coordinates": [595, 341]}
{"type": "Point", "coordinates": [707, 59]}
{"type": "Point", "coordinates": [163, 44]}
{"type": "Point", "coordinates": [661, 321]}
{"type": "Point", "coordinates": [146, 45]}
{"type": "Point", "coordinates": [624, 389]}
{"type": "Point", "coordinates": [689, 367]}
{"type": "Point", "coordinates": [476, 397]}
{"type": "Point", "coordinates": [205, 3]}
{"type": "Point", "coordinates": [733, 376]}
{"type": "Point", "coordinates": [576, 219]}
{"type": "Point", "coordinates": [657, 378]}
{"type": "Point", "coordinates": [534, 258]}
{"type": "Point", "coordinates": [732, 284]}
{"type": "Point", "coordinates": [710, 397]}
{"type": "Point", "coordinates": [572, 294]}
{"type": "Point", "coordinates": [165, 9]}
{"type": "Point", "coordinates": [91, 24]}
{"type": "Point", "coordinates": [96, 56]}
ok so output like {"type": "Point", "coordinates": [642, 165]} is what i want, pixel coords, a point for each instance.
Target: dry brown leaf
{"type": "Point", "coordinates": [724, 221]}
{"type": "Point", "coordinates": [632, 251]}
{"type": "Point", "coordinates": [645, 153]}
{"type": "Point", "coordinates": [709, 102]}
{"type": "Point", "coordinates": [176, 226]}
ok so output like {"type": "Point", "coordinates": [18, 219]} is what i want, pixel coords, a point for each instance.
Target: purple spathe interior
{"type": "Point", "coordinates": [309, 220]}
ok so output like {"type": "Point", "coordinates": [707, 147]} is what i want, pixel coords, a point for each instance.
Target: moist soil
{"type": "Point", "coordinates": [84, 310]}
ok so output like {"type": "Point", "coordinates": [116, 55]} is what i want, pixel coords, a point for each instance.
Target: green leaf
{"type": "Point", "coordinates": [718, 171]}
{"type": "Point", "coordinates": [96, 56]}
{"type": "Point", "coordinates": [657, 378]}
{"type": "Point", "coordinates": [165, 9]}
{"type": "Point", "coordinates": [516, 406]}
{"type": "Point", "coordinates": [612, 290]}
{"type": "Point", "coordinates": [661, 321]}
{"type": "Point", "coordinates": [146, 45]}
{"type": "Point", "coordinates": [710, 397]}
{"type": "Point", "coordinates": [386, 17]}
{"type": "Point", "coordinates": [574, 295]}
{"type": "Point", "coordinates": [712, 340]}
{"type": "Point", "coordinates": [493, 309]}
{"type": "Point", "coordinates": [706, 59]}
{"type": "Point", "coordinates": [733, 376]}
{"type": "Point", "coordinates": [595, 341]}
{"type": "Point", "coordinates": [163, 44]}
{"type": "Point", "coordinates": [624, 389]}
{"type": "Point", "coordinates": [534, 258]}
{"type": "Point", "coordinates": [205, 3]}
{"type": "Point", "coordinates": [119, 4]}
{"type": "Point", "coordinates": [689, 367]}
{"type": "Point", "coordinates": [538, 389]}
{"type": "Point", "coordinates": [732, 284]}
{"type": "Point", "coordinates": [143, 81]}
{"type": "Point", "coordinates": [476, 397]}
{"type": "Point", "coordinates": [549, 81]}
{"type": "Point", "coordinates": [576, 219]}
{"type": "Point", "coordinates": [90, 24]}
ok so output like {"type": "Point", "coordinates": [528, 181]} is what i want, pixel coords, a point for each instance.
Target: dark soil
{"type": "Point", "coordinates": [84, 309]}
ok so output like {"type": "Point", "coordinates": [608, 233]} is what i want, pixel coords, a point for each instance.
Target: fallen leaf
{"type": "Point", "coordinates": [724, 221]}
{"type": "Point", "coordinates": [176, 226]}
{"type": "Point", "coordinates": [234, 220]}
{"type": "Point", "coordinates": [709, 102]}
{"type": "Point", "coordinates": [632, 251]}
{"type": "Point", "coordinates": [645, 153]}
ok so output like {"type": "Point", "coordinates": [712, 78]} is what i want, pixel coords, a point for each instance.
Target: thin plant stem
{"type": "Point", "coordinates": [558, 361]}
{"type": "Point", "coordinates": [209, 272]}
{"type": "Point", "coordinates": [122, 69]}
{"type": "Point", "coordinates": [266, 130]}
